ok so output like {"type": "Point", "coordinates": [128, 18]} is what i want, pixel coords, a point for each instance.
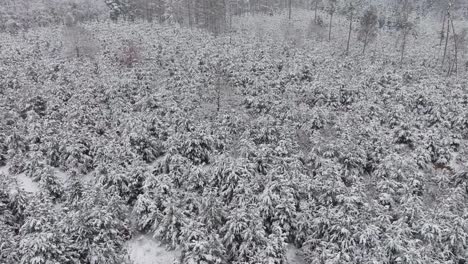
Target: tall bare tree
{"type": "Point", "coordinates": [78, 41]}
{"type": "Point", "coordinates": [457, 39]}
{"type": "Point", "coordinates": [405, 25]}
{"type": "Point", "coordinates": [316, 5]}
{"type": "Point", "coordinates": [368, 27]}
{"type": "Point", "coordinates": [350, 9]}
{"type": "Point", "coordinates": [331, 9]}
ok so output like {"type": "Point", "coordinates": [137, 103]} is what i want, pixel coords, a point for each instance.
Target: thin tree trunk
{"type": "Point", "coordinates": [446, 43]}
{"type": "Point", "coordinates": [316, 7]}
{"type": "Point", "coordinates": [290, 9]}
{"type": "Point", "coordinates": [218, 94]}
{"type": "Point", "coordinates": [230, 28]}
{"type": "Point", "coordinates": [442, 35]}
{"type": "Point", "coordinates": [450, 63]}
{"type": "Point", "coordinates": [455, 45]}
{"type": "Point", "coordinates": [189, 10]}
{"type": "Point", "coordinates": [442, 31]}
{"type": "Point", "coordinates": [196, 15]}
{"type": "Point", "coordinates": [330, 27]}
{"type": "Point", "coordinates": [365, 44]}
{"type": "Point", "coordinates": [231, 11]}
{"type": "Point", "coordinates": [349, 34]}
{"type": "Point", "coordinates": [205, 15]}
{"type": "Point", "coordinates": [403, 46]}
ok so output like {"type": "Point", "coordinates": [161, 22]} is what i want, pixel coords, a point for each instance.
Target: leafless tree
{"type": "Point", "coordinates": [350, 10]}
{"type": "Point", "coordinates": [316, 4]}
{"type": "Point", "coordinates": [368, 27]}
{"type": "Point", "coordinates": [405, 25]}
{"type": "Point", "coordinates": [331, 9]}
{"type": "Point", "coordinates": [448, 19]}
{"type": "Point", "coordinates": [78, 41]}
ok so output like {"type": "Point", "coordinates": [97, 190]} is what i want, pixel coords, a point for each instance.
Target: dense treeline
{"type": "Point", "coordinates": [16, 15]}
{"type": "Point", "coordinates": [367, 17]}
{"type": "Point", "coordinates": [211, 14]}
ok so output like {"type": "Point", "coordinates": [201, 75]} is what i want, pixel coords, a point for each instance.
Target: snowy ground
{"type": "Point", "coordinates": [28, 185]}
{"type": "Point", "coordinates": [294, 256]}
{"type": "Point", "coordinates": [4, 170]}
{"type": "Point", "coordinates": [146, 250]}
{"type": "Point", "coordinates": [24, 182]}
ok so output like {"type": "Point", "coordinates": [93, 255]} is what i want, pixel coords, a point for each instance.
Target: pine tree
{"type": "Point", "coordinates": [74, 188]}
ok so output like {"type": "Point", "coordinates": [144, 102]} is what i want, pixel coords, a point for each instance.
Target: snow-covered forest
{"type": "Point", "coordinates": [233, 131]}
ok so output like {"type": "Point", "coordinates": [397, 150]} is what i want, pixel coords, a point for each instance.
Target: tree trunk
{"type": "Point", "coordinates": [442, 31]}
{"type": "Point", "coordinates": [290, 9]}
{"type": "Point", "coordinates": [205, 13]}
{"type": "Point", "coordinates": [403, 46]}
{"type": "Point", "coordinates": [189, 11]}
{"type": "Point", "coordinates": [218, 95]}
{"type": "Point", "coordinates": [316, 7]}
{"type": "Point", "coordinates": [197, 13]}
{"type": "Point", "coordinates": [365, 44]}
{"type": "Point", "coordinates": [349, 34]}
{"type": "Point", "coordinates": [330, 27]}
{"type": "Point", "coordinates": [230, 27]}
{"type": "Point", "coordinates": [455, 44]}
{"type": "Point", "coordinates": [150, 11]}
{"type": "Point", "coordinates": [446, 42]}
